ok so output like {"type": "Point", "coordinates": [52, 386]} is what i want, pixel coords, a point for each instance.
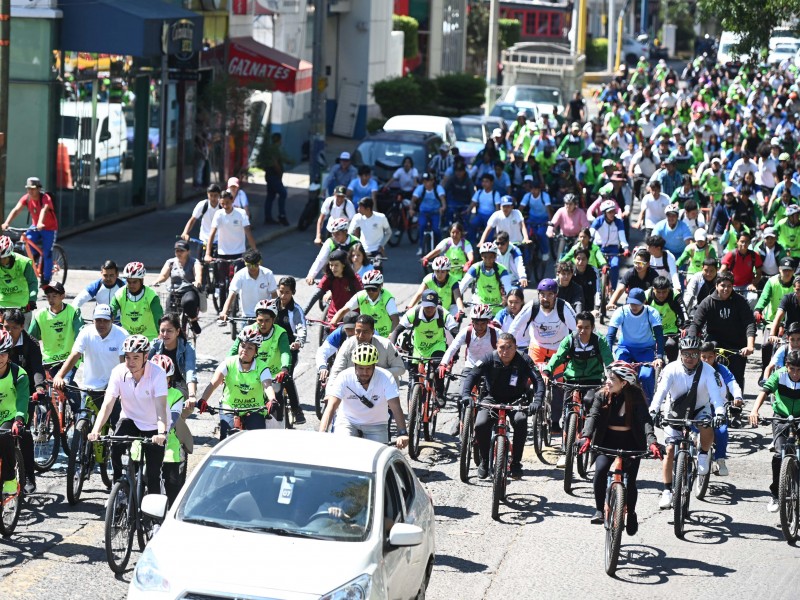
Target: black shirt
{"type": "Point", "coordinates": [506, 384]}
{"type": "Point", "coordinates": [791, 309]}
{"type": "Point", "coordinates": [575, 107]}
{"type": "Point", "coordinates": [588, 282]}
{"type": "Point", "coordinates": [727, 322]}
{"type": "Point", "coordinates": [173, 354]}
{"type": "Point", "coordinates": [631, 279]}
{"type": "Point", "coordinates": [573, 294]}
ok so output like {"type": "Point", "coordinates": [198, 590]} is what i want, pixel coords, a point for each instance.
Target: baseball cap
{"type": "Point", "coordinates": [769, 232]}
{"type": "Point", "coordinates": [716, 160]}
{"type": "Point", "coordinates": [729, 190]}
{"type": "Point", "coordinates": [234, 181]}
{"type": "Point", "coordinates": [181, 245]}
{"type": "Point", "coordinates": [787, 263]}
{"type": "Point", "coordinates": [56, 287]}
{"type": "Point", "coordinates": [340, 190]}
{"type": "Point", "coordinates": [33, 182]}
{"type": "Point", "coordinates": [521, 113]}
{"type": "Point", "coordinates": [784, 156]}
{"type": "Point", "coordinates": [527, 178]}
{"type": "Point", "coordinates": [506, 201]}
{"type": "Point", "coordinates": [344, 156]}
{"type": "Point", "coordinates": [700, 235]}
{"type": "Point", "coordinates": [775, 142]}
{"type": "Point", "coordinates": [636, 296]}
{"type": "Point", "coordinates": [430, 299]}
{"type": "Point", "coordinates": [497, 132]}
{"type": "Point", "coordinates": [669, 161]}
{"type": "Point", "coordinates": [102, 311]}
{"type": "Point", "coordinates": [349, 321]}
{"type": "Point", "coordinates": [608, 163]}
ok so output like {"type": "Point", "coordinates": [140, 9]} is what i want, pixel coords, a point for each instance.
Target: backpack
{"type": "Point", "coordinates": [750, 253]}
{"type": "Point", "coordinates": [439, 317]}
{"type": "Point", "coordinates": [683, 406]}
{"type": "Point", "coordinates": [560, 304]}
{"type": "Point", "coordinates": [206, 206]}
{"type": "Point", "coordinates": [492, 337]}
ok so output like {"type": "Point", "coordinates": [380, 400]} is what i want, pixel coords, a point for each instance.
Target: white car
{"type": "Point", "coordinates": [292, 515]}
{"type": "Point", "coordinates": [782, 49]}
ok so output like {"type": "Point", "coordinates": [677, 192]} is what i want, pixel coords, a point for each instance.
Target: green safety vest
{"type": "Point", "coordinates": [445, 291]}
{"type": "Point", "coordinates": [789, 238]}
{"type": "Point", "coordinates": [14, 292]}
{"type": "Point", "coordinates": [775, 298]}
{"type": "Point", "coordinates": [56, 333]}
{"type": "Point", "coordinates": [8, 393]}
{"type": "Point", "coordinates": [669, 320]}
{"type": "Point", "coordinates": [428, 336]}
{"type": "Point", "coordinates": [172, 449]}
{"type": "Point", "coordinates": [698, 255]}
{"type": "Point", "coordinates": [487, 287]}
{"type": "Point", "coordinates": [458, 258]}
{"type": "Point", "coordinates": [135, 317]}
{"type": "Point", "coordinates": [243, 389]}
{"type": "Point", "coordinates": [268, 351]}
{"type": "Point", "coordinates": [378, 311]}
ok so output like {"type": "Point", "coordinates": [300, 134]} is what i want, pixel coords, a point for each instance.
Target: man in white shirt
{"type": "Point", "coordinates": [507, 219]}
{"type": "Point", "coordinates": [364, 393]}
{"type": "Point", "coordinates": [231, 228]}
{"type": "Point", "coordinates": [204, 212]}
{"type": "Point", "coordinates": [334, 207]}
{"type": "Point", "coordinates": [250, 285]}
{"type": "Point", "coordinates": [662, 260]}
{"type": "Point", "coordinates": [101, 290]}
{"type": "Point", "coordinates": [740, 167]}
{"type": "Point", "coordinates": [371, 227]}
{"type": "Point", "coordinates": [654, 206]}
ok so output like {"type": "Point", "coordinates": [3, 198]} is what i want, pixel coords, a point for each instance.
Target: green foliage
{"type": "Point", "coordinates": [410, 27]}
{"type": "Point", "coordinates": [375, 124]}
{"type": "Point", "coordinates": [460, 92]}
{"type": "Point", "coordinates": [477, 30]}
{"type": "Point", "coordinates": [403, 96]}
{"type": "Point", "coordinates": [597, 52]}
{"type": "Point", "coordinates": [510, 32]}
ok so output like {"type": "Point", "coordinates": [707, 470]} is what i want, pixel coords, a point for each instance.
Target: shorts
{"type": "Point", "coordinates": [671, 434]}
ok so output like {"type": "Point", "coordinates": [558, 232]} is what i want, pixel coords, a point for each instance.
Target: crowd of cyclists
{"type": "Point", "coordinates": [702, 164]}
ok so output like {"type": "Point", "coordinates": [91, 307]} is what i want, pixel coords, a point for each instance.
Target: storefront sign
{"type": "Point", "coordinates": [250, 62]}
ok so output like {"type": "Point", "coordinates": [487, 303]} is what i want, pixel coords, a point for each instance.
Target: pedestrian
{"type": "Point", "coordinates": [273, 161]}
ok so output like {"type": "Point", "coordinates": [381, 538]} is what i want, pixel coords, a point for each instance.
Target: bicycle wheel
{"type": "Point", "coordinates": [569, 450]}
{"type": "Point", "coordinates": [499, 475]}
{"type": "Point", "coordinates": [603, 298]}
{"type": "Point", "coordinates": [412, 231]}
{"type": "Point", "coordinates": [681, 494]}
{"type": "Point", "coordinates": [317, 295]}
{"type": "Point", "coordinates": [12, 505]}
{"type": "Point", "coordinates": [583, 461]}
{"type": "Point", "coordinates": [69, 429]}
{"type": "Point", "coordinates": [319, 399]}
{"type": "Point", "coordinates": [538, 434]}
{"type": "Point", "coordinates": [79, 461]}
{"type": "Point", "coordinates": [701, 481]}
{"type": "Point", "coordinates": [46, 438]}
{"type": "Point", "coordinates": [614, 526]}
{"type": "Point", "coordinates": [288, 415]}
{"type": "Point", "coordinates": [425, 408]}
{"type": "Point", "coordinates": [396, 225]}
{"type": "Point", "coordinates": [60, 266]}
{"type": "Point", "coordinates": [233, 322]}
{"type": "Point", "coordinates": [414, 421]}
{"type": "Point", "coordinates": [119, 523]}
{"type": "Point", "coordinates": [465, 451]}
{"type": "Point", "coordinates": [105, 466]}
{"type": "Point", "coordinates": [788, 498]}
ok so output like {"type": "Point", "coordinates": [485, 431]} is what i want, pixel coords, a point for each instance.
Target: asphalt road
{"type": "Point", "coordinates": [542, 545]}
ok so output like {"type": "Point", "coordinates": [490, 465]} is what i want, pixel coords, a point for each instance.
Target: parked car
{"type": "Point", "coordinates": [544, 98]}
{"type": "Point", "coordinates": [633, 49]}
{"type": "Point", "coordinates": [329, 515]}
{"type": "Point", "coordinates": [471, 135]}
{"type": "Point", "coordinates": [781, 49]}
{"type": "Point", "coordinates": [441, 126]}
{"type": "Point", "coordinates": [508, 111]}
{"type": "Point", "coordinates": [111, 140]}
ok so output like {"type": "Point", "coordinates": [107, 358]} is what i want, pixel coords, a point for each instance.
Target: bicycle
{"type": "Point", "coordinates": [23, 245]}
{"type": "Point", "coordinates": [324, 329]}
{"type": "Point", "coordinates": [606, 289]}
{"type": "Point", "coordinates": [285, 414]}
{"type": "Point", "coordinates": [45, 430]}
{"type": "Point", "coordinates": [320, 403]}
{"type": "Point", "coordinates": [789, 478]}
{"type": "Point", "coordinates": [684, 469]}
{"type": "Point", "coordinates": [12, 503]}
{"type": "Point", "coordinates": [221, 271]}
{"type": "Point", "coordinates": [562, 243]}
{"type": "Point", "coordinates": [616, 506]}
{"type": "Point", "coordinates": [532, 255]}
{"type": "Point", "coordinates": [85, 455]}
{"type": "Point", "coordinates": [400, 222]}
{"type": "Point", "coordinates": [468, 445]}
{"type": "Point", "coordinates": [171, 301]}
{"type": "Point", "coordinates": [574, 418]}
{"type": "Point", "coordinates": [124, 517]}
{"type": "Point", "coordinates": [239, 415]}
{"type": "Point", "coordinates": [542, 421]}
{"type": "Point", "coordinates": [500, 455]}
{"type": "Point", "coordinates": [235, 321]}
{"type": "Point", "coordinates": [422, 408]}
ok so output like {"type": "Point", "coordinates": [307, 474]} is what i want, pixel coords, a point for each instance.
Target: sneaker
{"type": "Point", "coordinates": [516, 470]}
{"type": "Point", "coordinates": [773, 505]}
{"type": "Point", "coordinates": [483, 471]}
{"type": "Point", "coordinates": [10, 486]}
{"type": "Point", "coordinates": [562, 461]}
{"type": "Point", "coordinates": [419, 251]}
{"type": "Point", "coordinates": [666, 499]}
{"type": "Point", "coordinates": [440, 400]}
{"type": "Point", "coordinates": [195, 325]}
{"type": "Point", "coordinates": [771, 447]}
{"type": "Point", "coordinates": [270, 221]}
{"type": "Point", "coordinates": [299, 417]}
{"type": "Point", "coordinates": [632, 525]}
{"type": "Point", "coordinates": [597, 518]}
{"type": "Point", "coordinates": [283, 221]}
{"type": "Point", "coordinates": [722, 468]}
{"type": "Point", "coordinates": [30, 487]}
{"type": "Point", "coordinates": [702, 463]}
{"type": "Point", "coordinates": [545, 257]}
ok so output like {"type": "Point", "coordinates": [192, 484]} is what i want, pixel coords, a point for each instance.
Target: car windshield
{"type": "Point", "coordinates": [506, 111]}
{"type": "Point", "coordinates": [281, 499]}
{"type": "Point", "coordinates": [390, 153]}
{"type": "Point", "coordinates": [787, 47]}
{"type": "Point", "coordinates": [537, 95]}
{"type": "Point", "coordinates": [469, 132]}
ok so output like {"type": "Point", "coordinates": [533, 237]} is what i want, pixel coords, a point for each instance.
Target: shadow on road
{"type": "Point", "coordinates": [453, 512]}
{"type": "Point", "coordinates": [744, 442]}
{"type": "Point", "coordinates": [717, 528]}
{"type": "Point", "coordinates": [519, 509]}
{"type": "Point", "coordinates": [462, 565]}
{"type": "Point", "coordinates": [646, 565]}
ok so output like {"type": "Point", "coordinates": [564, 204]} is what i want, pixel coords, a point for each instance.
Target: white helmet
{"type": "Point", "coordinates": [442, 263]}
{"type": "Point", "coordinates": [250, 336]}
{"type": "Point", "coordinates": [339, 224]}
{"type": "Point", "coordinates": [6, 246]}
{"type": "Point", "coordinates": [488, 247]}
{"type": "Point", "coordinates": [136, 343]}
{"type": "Point", "coordinates": [165, 362]}
{"type": "Point", "coordinates": [371, 278]}
{"type": "Point", "coordinates": [134, 270]}
{"type": "Point", "coordinates": [6, 342]}
{"type": "Point", "coordinates": [608, 205]}
{"type": "Point", "coordinates": [481, 311]}
{"type": "Point", "coordinates": [267, 306]}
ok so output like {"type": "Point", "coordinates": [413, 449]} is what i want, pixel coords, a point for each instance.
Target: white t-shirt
{"type": "Point", "coordinates": [381, 389]}
{"type": "Point", "coordinates": [139, 400]}
{"type": "Point", "coordinates": [331, 210]}
{"type": "Point", "coordinates": [373, 230]}
{"type": "Point", "coordinates": [655, 208]}
{"type": "Point", "coordinates": [546, 330]}
{"type": "Point", "coordinates": [100, 355]}
{"type": "Point", "coordinates": [250, 290]}
{"type": "Point", "coordinates": [205, 219]}
{"type": "Point", "coordinates": [406, 179]}
{"type": "Point", "coordinates": [510, 224]}
{"type": "Point", "coordinates": [477, 349]}
{"type": "Point", "coordinates": [230, 231]}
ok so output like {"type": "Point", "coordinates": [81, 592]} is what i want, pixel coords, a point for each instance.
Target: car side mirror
{"type": "Point", "coordinates": [105, 136]}
{"type": "Point", "coordinates": [403, 534]}
{"type": "Point", "coordinates": [155, 506]}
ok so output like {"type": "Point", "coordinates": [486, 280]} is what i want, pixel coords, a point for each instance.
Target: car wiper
{"type": "Point", "coordinates": [208, 523]}
{"type": "Point", "coordinates": [278, 531]}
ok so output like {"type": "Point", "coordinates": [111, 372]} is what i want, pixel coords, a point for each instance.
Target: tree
{"type": "Point", "coordinates": [510, 32]}
{"type": "Point", "coordinates": [753, 21]}
{"type": "Point", "coordinates": [477, 34]}
{"type": "Point", "coordinates": [410, 28]}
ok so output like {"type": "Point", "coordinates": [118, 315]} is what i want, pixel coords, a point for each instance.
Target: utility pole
{"type": "Point", "coordinates": [612, 25]}
{"type": "Point", "coordinates": [491, 54]}
{"type": "Point", "coordinates": [5, 48]}
{"type": "Point", "coordinates": [320, 83]}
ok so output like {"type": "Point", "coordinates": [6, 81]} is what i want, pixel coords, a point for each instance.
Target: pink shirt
{"type": "Point", "coordinates": [140, 400]}
{"type": "Point", "coordinates": [570, 225]}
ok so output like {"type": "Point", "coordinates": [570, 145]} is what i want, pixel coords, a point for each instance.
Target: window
{"type": "Point", "coordinates": [392, 504]}
{"type": "Point", "coordinates": [530, 23]}
{"type": "Point", "coordinates": [543, 23]}
{"type": "Point", "coordinates": [406, 479]}
{"type": "Point", "coordinates": [555, 24]}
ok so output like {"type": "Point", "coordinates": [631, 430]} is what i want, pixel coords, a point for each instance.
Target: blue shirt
{"type": "Point", "coordinates": [486, 201]}
{"type": "Point", "coordinates": [502, 183]}
{"type": "Point", "coordinates": [634, 331]}
{"type": "Point", "coordinates": [675, 238]}
{"type": "Point", "coordinates": [537, 207]}
{"type": "Point", "coordinates": [779, 358]}
{"type": "Point", "coordinates": [339, 176]}
{"type": "Point", "coordinates": [429, 199]}
{"type": "Point", "coordinates": [362, 191]}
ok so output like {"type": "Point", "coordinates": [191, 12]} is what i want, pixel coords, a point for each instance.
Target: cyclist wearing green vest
{"type": "Point", "coordinates": [18, 285]}
{"type": "Point", "coordinates": [247, 381]}
{"type": "Point", "coordinates": [456, 248]}
{"type": "Point", "coordinates": [179, 439]}
{"type": "Point", "coordinates": [432, 330]}
{"type": "Point", "coordinates": [669, 304]}
{"type": "Point", "coordinates": [695, 253]}
{"type": "Point", "coordinates": [14, 399]}
{"type": "Point", "coordinates": [491, 280]}
{"type": "Point", "coordinates": [445, 283]}
{"type": "Point", "coordinates": [137, 305]}
{"type": "Point", "coordinates": [788, 230]}
{"type": "Point", "coordinates": [769, 301]}
{"type": "Point", "coordinates": [374, 300]}
{"type": "Point", "coordinates": [594, 252]}
{"type": "Point", "coordinates": [339, 240]}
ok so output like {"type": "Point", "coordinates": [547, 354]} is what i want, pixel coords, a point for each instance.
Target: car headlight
{"type": "Point", "coordinates": [358, 589]}
{"type": "Point", "coordinates": [147, 576]}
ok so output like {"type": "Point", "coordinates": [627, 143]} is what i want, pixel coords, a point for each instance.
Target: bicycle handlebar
{"type": "Point", "coordinates": [623, 453]}
{"type": "Point", "coordinates": [506, 407]}
{"type": "Point", "coordinates": [687, 422]}
{"type": "Point", "coordinates": [125, 439]}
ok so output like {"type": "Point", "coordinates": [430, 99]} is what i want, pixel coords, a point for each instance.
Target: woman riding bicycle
{"type": "Point", "coordinates": [14, 399]}
{"type": "Point", "coordinates": [184, 273]}
{"type": "Point", "coordinates": [619, 419]}
{"type": "Point", "coordinates": [340, 280]}
{"type": "Point", "coordinates": [457, 248]}
{"type": "Point", "coordinates": [405, 178]}
{"type": "Point", "coordinates": [172, 343]}
{"type": "Point", "coordinates": [595, 253]}
{"type": "Point", "coordinates": [515, 300]}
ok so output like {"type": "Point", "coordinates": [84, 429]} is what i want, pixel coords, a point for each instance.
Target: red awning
{"type": "Point", "coordinates": [251, 62]}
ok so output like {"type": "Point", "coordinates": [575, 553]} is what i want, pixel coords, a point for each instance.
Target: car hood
{"type": "Point", "coordinates": [259, 564]}
{"type": "Point", "coordinates": [469, 149]}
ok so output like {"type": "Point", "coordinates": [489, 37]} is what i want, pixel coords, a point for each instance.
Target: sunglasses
{"type": "Point", "coordinates": [371, 288]}
{"type": "Point", "coordinates": [691, 354]}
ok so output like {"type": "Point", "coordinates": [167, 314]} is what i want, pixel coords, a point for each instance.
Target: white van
{"type": "Point", "coordinates": [441, 126]}
{"type": "Point", "coordinates": [725, 54]}
{"type": "Point", "coordinates": [111, 139]}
